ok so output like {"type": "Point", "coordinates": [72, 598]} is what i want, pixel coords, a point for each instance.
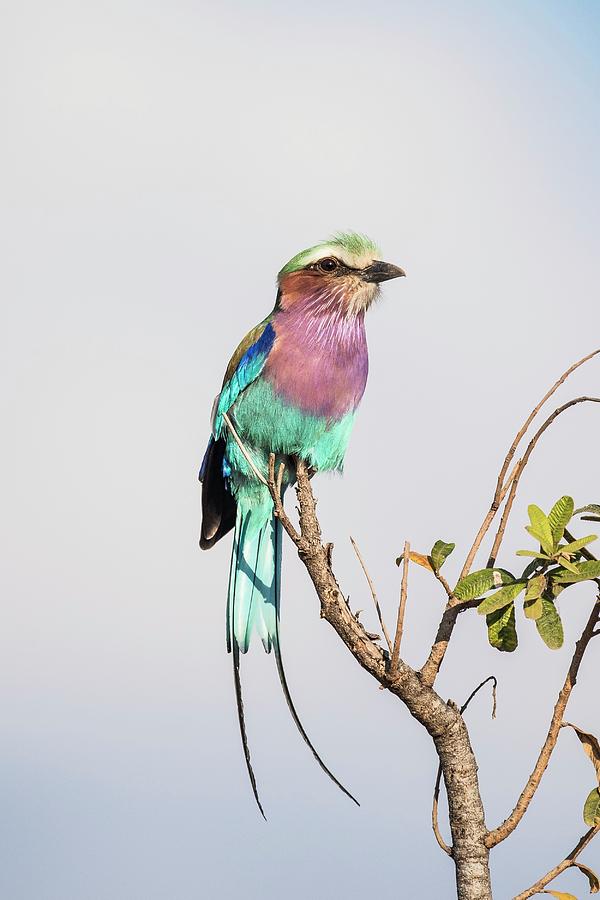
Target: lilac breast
{"type": "Point", "coordinates": [319, 361]}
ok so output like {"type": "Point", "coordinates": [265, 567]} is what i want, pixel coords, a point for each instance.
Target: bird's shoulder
{"type": "Point", "coordinates": [258, 341]}
{"type": "Point", "coordinates": [245, 366]}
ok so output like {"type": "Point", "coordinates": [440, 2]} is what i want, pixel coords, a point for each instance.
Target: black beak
{"type": "Point", "coordinates": [381, 271]}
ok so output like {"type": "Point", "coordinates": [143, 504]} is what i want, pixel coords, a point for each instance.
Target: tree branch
{"type": "Point", "coordinates": [567, 863]}
{"type": "Point", "coordinates": [490, 516]}
{"type": "Point", "coordinates": [508, 826]}
{"type": "Point", "coordinates": [373, 594]}
{"type": "Point", "coordinates": [521, 467]}
{"type": "Point", "coordinates": [443, 721]}
{"type": "Point", "coordinates": [435, 659]}
{"type": "Point", "coordinates": [401, 610]}
{"type": "Point", "coordinates": [502, 485]}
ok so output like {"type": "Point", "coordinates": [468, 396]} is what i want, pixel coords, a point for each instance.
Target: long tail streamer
{"type": "Point", "coordinates": [253, 604]}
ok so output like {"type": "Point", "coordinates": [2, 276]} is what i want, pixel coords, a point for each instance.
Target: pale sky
{"type": "Point", "coordinates": [159, 163]}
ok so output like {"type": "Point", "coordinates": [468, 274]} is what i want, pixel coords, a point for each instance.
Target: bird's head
{"type": "Point", "coordinates": [344, 273]}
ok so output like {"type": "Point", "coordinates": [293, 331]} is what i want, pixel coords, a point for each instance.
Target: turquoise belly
{"type": "Point", "coordinates": [266, 425]}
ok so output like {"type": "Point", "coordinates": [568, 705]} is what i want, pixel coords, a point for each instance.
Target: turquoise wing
{"type": "Point", "coordinates": [243, 372]}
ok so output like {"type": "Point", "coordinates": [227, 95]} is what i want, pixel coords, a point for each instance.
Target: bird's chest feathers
{"type": "Point", "coordinates": [319, 363]}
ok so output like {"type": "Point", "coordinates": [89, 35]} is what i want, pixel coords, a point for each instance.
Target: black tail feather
{"type": "Point", "coordinates": [298, 723]}
{"type": "Point", "coordinates": [240, 711]}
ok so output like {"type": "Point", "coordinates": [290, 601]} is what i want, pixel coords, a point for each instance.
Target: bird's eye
{"type": "Point", "coordinates": [329, 264]}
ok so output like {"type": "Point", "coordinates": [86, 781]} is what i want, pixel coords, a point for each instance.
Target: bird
{"type": "Point", "coordinates": [291, 388]}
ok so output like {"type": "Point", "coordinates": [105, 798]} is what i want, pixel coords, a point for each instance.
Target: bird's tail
{"type": "Point", "coordinates": [253, 604]}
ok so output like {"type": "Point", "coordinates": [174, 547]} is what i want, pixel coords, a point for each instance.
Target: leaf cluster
{"type": "Point", "coordinates": [557, 564]}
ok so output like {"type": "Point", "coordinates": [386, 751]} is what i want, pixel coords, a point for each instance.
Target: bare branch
{"type": "Point", "coordinates": [401, 609]}
{"type": "Point", "coordinates": [446, 587]}
{"type": "Point", "coordinates": [491, 678]}
{"type": "Point", "coordinates": [502, 485]}
{"type": "Point", "coordinates": [436, 655]}
{"type": "Point", "coordinates": [567, 863]}
{"type": "Point", "coordinates": [490, 516]}
{"type": "Point", "coordinates": [533, 414]}
{"type": "Point", "coordinates": [523, 463]}
{"type": "Point", "coordinates": [508, 826]}
{"type": "Point", "coordinates": [373, 594]}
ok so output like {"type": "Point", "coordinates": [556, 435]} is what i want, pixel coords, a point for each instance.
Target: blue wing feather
{"type": "Point", "coordinates": [249, 368]}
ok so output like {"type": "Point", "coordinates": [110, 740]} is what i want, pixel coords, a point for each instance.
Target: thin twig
{"type": "Point", "coordinates": [502, 485]}
{"type": "Point", "coordinates": [489, 518]}
{"type": "Point", "coordinates": [434, 814]}
{"type": "Point", "coordinates": [436, 791]}
{"type": "Point", "coordinates": [521, 467]}
{"type": "Point", "coordinates": [508, 826]}
{"type": "Point", "coordinates": [477, 689]}
{"type": "Point", "coordinates": [533, 414]}
{"type": "Point", "coordinates": [446, 587]}
{"type": "Point", "coordinates": [373, 594]}
{"type": "Point", "coordinates": [401, 609]}
{"type": "Point", "coordinates": [567, 863]}
{"type": "Point", "coordinates": [243, 449]}
{"type": "Point", "coordinates": [509, 480]}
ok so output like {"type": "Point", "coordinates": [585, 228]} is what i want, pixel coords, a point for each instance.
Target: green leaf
{"type": "Point", "coordinates": [590, 508]}
{"type": "Point", "coordinates": [533, 554]}
{"type": "Point", "coordinates": [535, 587]}
{"type": "Point", "coordinates": [585, 571]}
{"type": "Point", "coordinates": [502, 632]}
{"type": "Point", "coordinates": [559, 517]}
{"type": "Point", "coordinates": [540, 528]}
{"type": "Point", "coordinates": [533, 606]}
{"type": "Point", "coordinates": [501, 598]}
{"type": "Point", "coordinates": [591, 809]}
{"type": "Point", "coordinates": [533, 609]}
{"type": "Point", "coordinates": [574, 546]}
{"type": "Point", "coordinates": [567, 564]}
{"type": "Point", "coordinates": [478, 583]}
{"type": "Point", "coordinates": [549, 626]}
{"type": "Point", "coordinates": [590, 875]}
{"type": "Point", "coordinates": [555, 589]}
{"type": "Point", "coordinates": [439, 554]}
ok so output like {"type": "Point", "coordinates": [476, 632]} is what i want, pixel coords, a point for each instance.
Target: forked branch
{"type": "Point", "coordinates": [510, 823]}
{"type": "Point", "coordinates": [567, 863]}
{"type": "Point", "coordinates": [502, 485]}
{"type": "Point", "coordinates": [436, 656]}
{"type": "Point", "coordinates": [515, 483]}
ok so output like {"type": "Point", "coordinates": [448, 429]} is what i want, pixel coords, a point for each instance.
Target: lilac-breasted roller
{"type": "Point", "coordinates": [291, 388]}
